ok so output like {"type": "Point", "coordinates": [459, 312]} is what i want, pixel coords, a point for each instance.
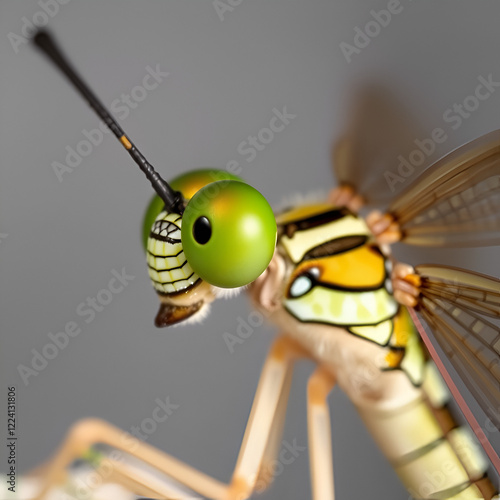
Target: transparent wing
{"type": "Point", "coordinates": [456, 202]}
{"type": "Point", "coordinates": [378, 131]}
{"type": "Point", "coordinates": [454, 302]}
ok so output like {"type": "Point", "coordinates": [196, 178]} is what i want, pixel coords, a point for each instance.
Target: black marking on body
{"type": "Point", "coordinates": [344, 326]}
{"type": "Point", "coordinates": [166, 239]}
{"type": "Point", "coordinates": [164, 256]}
{"type": "Point", "coordinates": [316, 282]}
{"type": "Point", "coordinates": [420, 452]}
{"type": "Point", "coordinates": [178, 292]}
{"type": "Point", "coordinates": [336, 246]}
{"type": "Point", "coordinates": [161, 226]}
{"type": "Point", "coordinates": [169, 269]}
{"type": "Point", "coordinates": [289, 228]}
{"type": "Point", "coordinates": [171, 282]}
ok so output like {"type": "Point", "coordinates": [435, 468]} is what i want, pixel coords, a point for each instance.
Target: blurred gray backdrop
{"type": "Point", "coordinates": [62, 236]}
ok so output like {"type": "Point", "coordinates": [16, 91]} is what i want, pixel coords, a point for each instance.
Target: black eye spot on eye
{"type": "Point", "coordinates": [202, 230]}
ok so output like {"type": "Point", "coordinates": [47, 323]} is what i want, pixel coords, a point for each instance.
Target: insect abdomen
{"type": "Point", "coordinates": [432, 454]}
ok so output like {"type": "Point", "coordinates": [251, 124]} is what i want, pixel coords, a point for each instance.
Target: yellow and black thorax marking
{"type": "Point", "coordinates": [169, 269]}
{"type": "Point", "coordinates": [340, 277]}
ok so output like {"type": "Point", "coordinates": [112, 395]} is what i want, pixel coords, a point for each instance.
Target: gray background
{"type": "Point", "coordinates": [64, 238]}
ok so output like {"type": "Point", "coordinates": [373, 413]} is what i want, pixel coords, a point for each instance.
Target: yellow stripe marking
{"type": "Point", "coordinates": [360, 267]}
{"type": "Point", "coordinates": [124, 140]}
{"type": "Point", "coordinates": [393, 358]}
{"type": "Point", "coordinates": [346, 313]}
{"type": "Point", "coordinates": [304, 240]}
{"type": "Point", "coordinates": [403, 328]}
{"type": "Point", "coordinates": [378, 333]}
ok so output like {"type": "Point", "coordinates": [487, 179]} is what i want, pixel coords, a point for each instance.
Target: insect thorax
{"type": "Point", "coordinates": [341, 278]}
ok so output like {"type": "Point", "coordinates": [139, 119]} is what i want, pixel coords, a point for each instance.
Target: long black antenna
{"type": "Point", "coordinates": [173, 199]}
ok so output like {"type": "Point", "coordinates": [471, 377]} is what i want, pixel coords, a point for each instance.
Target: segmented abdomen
{"type": "Point", "coordinates": [434, 456]}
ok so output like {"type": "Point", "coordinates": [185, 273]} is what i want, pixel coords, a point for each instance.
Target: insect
{"type": "Point", "coordinates": [326, 277]}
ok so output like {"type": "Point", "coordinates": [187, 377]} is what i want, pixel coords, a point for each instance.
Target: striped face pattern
{"type": "Point", "coordinates": [341, 278]}
{"type": "Point", "coordinates": [168, 267]}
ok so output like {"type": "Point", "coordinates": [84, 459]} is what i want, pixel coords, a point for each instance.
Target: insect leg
{"type": "Point", "coordinates": [265, 422]}
{"type": "Point", "coordinates": [265, 417]}
{"type": "Point", "coordinates": [89, 432]}
{"type": "Point", "coordinates": [406, 284]}
{"type": "Point", "coordinates": [320, 452]}
{"type": "Point", "coordinates": [266, 473]}
{"type": "Point", "coordinates": [345, 196]}
{"type": "Point", "coordinates": [384, 227]}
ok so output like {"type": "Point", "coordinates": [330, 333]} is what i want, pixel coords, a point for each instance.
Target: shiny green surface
{"type": "Point", "coordinates": [243, 233]}
{"type": "Point", "coordinates": [188, 184]}
{"type": "Point", "coordinates": [191, 182]}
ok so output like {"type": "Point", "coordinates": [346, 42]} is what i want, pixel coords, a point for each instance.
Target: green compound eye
{"type": "Point", "coordinates": [228, 233]}
{"type": "Point", "coordinates": [188, 184]}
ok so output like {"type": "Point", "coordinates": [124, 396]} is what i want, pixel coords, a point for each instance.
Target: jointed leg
{"type": "Point", "coordinates": [262, 420]}
{"type": "Point", "coordinates": [114, 471]}
{"type": "Point", "coordinates": [406, 284]}
{"type": "Point", "coordinates": [265, 476]}
{"type": "Point", "coordinates": [345, 196]}
{"type": "Point", "coordinates": [256, 442]}
{"type": "Point", "coordinates": [146, 486]}
{"type": "Point", "coordinates": [384, 227]}
{"type": "Point", "coordinates": [320, 447]}
{"type": "Point", "coordinates": [89, 432]}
